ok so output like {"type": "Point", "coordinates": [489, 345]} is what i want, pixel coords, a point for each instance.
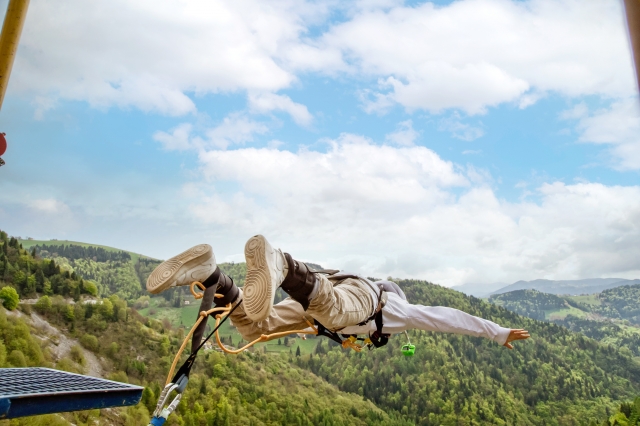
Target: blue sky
{"type": "Point", "coordinates": [473, 141]}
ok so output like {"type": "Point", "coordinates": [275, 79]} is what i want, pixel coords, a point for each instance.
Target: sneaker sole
{"type": "Point", "coordinates": [258, 289]}
{"type": "Point", "coordinates": [183, 267]}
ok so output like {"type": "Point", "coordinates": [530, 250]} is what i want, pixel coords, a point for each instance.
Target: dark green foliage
{"type": "Point", "coordinates": [530, 303]}
{"type": "Point", "coordinates": [628, 415]}
{"type": "Point", "coordinates": [620, 302]}
{"type": "Point", "coordinates": [113, 270]}
{"type": "Point", "coordinates": [74, 252]}
{"type": "Point", "coordinates": [603, 331]}
{"type": "Point", "coordinates": [9, 298]}
{"type": "Point", "coordinates": [554, 377]}
{"type": "Point", "coordinates": [29, 275]}
{"type": "Point", "coordinates": [616, 303]}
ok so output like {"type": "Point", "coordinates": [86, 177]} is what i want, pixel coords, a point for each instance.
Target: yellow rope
{"type": "Point", "coordinates": [223, 312]}
{"type": "Point", "coordinates": [263, 338]}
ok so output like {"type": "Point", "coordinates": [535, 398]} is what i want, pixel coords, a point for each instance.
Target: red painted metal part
{"type": "Point", "coordinates": [3, 144]}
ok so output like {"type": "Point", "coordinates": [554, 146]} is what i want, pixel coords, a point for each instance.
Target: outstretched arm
{"type": "Point", "coordinates": [398, 315]}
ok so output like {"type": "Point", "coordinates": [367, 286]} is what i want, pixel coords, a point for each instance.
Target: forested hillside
{"type": "Point", "coordinates": [30, 275]}
{"type": "Point", "coordinates": [557, 377]}
{"type": "Point", "coordinates": [115, 271]}
{"type": "Point", "coordinates": [552, 378]}
{"type": "Point", "coordinates": [609, 317]}
{"type": "Point", "coordinates": [620, 303]}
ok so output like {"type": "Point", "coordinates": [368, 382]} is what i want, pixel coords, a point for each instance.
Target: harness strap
{"type": "Point", "coordinates": [378, 338]}
{"type": "Point", "coordinates": [382, 300]}
{"type": "Point", "coordinates": [324, 331]}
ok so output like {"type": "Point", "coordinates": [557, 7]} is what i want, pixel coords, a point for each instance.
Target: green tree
{"type": "Point", "coordinates": [20, 279]}
{"type": "Point", "coordinates": [39, 280]}
{"type": "Point", "coordinates": [69, 315]}
{"type": "Point", "coordinates": [298, 351]}
{"type": "Point", "coordinates": [3, 354]}
{"type": "Point", "coordinates": [106, 309]}
{"type": "Point", "coordinates": [17, 359]}
{"type": "Point", "coordinates": [43, 305]}
{"type": "Point", "coordinates": [90, 342]}
{"type": "Point", "coordinates": [9, 297]}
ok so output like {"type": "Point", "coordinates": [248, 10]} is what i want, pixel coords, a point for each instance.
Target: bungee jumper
{"type": "Point", "coordinates": [335, 301]}
{"type": "Point", "coordinates": [332, 303]}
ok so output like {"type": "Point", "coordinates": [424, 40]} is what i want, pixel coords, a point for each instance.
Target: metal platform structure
{"type": "Point", "coordinates": [33, 391]}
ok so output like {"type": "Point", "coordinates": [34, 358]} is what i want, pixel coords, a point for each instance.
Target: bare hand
{"type": "Point", "coordinates": [517, 334]}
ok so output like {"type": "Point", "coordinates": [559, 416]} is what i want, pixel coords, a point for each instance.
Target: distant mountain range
{"type": "Point", "coordinates": [570, 287]}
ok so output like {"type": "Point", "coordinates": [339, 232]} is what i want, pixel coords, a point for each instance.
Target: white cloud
{"type": "Point", "coordinates": [617, 125]}
{"type": "Point", "coordinates": [460, 130]}
{"type": "Point", "coordinates": [405, 135]}
{"type": "Point", "coordinates": [469, 55]}
{"type": "Point", "coordinates": [383, 210]}
{"type": "Point", "coordinates": [153, 54]}
{"type": "Point", "coordinates": [474, 54]}
{"type": "Point", "coordinates": [267, 102]}
{"type": "Point", "coordinates": [177, 140]}
{"type": "Point", "coordinates": [49, 205]}
{"type": "Point", "coordinates": [235, 128]}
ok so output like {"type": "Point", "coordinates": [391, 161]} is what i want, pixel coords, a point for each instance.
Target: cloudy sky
{"type": "Point", "coordinates": [472, 141]}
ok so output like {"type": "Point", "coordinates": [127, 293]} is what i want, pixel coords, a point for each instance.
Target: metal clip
{"type": "Point", "coordinates": [161, 413]}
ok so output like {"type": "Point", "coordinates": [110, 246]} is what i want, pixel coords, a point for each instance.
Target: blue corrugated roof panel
{"type": "Point", "coordinates": [32, 391]}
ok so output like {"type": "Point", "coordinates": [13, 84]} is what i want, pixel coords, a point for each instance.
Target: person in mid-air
{"type": "Point", "coordinates": [343, 303]}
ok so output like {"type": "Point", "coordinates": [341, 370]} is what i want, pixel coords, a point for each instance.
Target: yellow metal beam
{"type": "Point", "coordinates": [632, 7]}
{"type": "Point", "coordinates": [11, 30]}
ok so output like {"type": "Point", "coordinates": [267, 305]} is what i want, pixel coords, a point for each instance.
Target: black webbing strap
{"type": "Point", "coordinates": [323, 331]}
{"type": "Point", "coordinates": [185, 369]}
{"type": "Point", "coordinates": [205, 305]}
{"type": "Point", "coordinates": [378, 338]}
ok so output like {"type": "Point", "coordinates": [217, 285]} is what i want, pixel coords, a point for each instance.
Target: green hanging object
{"type": "Point", "coordinates": [408, 349]}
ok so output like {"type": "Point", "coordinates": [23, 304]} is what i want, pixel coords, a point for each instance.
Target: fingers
{"type": "Point", "coordinates": [517, 334]}
{"type": "Point", "coordinates": [521, 335]}
{"type": "Point", "coordinates": [508, 345]}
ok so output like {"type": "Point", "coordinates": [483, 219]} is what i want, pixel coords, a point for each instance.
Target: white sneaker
{"type": "Point", "coordinates": [195, 264]}
{"type": "Point", "coordinates": [266, 269]}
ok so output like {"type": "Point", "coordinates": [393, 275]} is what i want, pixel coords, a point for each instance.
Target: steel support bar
{"type": "Point", "coordinates": [11, 30]}
{"type": "Point", "coordinates": [632, 8]}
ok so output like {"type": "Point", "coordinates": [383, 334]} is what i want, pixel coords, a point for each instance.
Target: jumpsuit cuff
{"type": "Point", "coordinates": [501, 337]}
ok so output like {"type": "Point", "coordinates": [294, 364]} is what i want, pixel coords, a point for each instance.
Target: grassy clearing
{"type": "Point", "coordinates": [589, 299]}
{"type": "Point", "coordinates": [553, 314]}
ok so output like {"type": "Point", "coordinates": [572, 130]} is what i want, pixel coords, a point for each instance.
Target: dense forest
{"type": "Point", "coordinates": [620, 303]}
{"type": "Point", "coordinates": [530, 303]}
{"type": "Point", "coordinates": [602, 318]}
{"type": "Point", "coordinates": [29, 275]}
{"type": "Point", "coordinates": [252, 388]}
{"type": "Point", "coordinates": [74, 252]}
{"type": "Point", "coordinates": [556, 378]}
{"type": "Point", "coordinates": [114, 271]}
{"type": "Point", "coordinates": [605, 332]}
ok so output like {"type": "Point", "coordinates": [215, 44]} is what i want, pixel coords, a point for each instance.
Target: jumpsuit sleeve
{"type": "Point", "coordinates": [402, 316]}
